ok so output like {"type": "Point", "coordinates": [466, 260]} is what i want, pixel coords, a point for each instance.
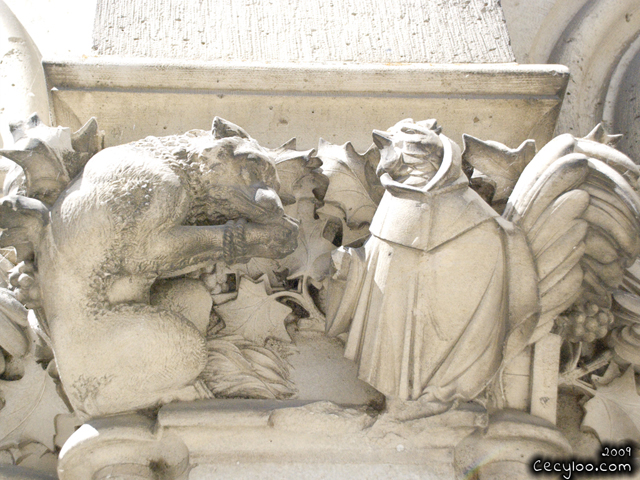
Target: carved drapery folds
{"type": "Point", "coordinates": [205, 266]}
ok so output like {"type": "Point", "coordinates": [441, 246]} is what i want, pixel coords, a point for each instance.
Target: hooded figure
{"type": "Point", "coordinates": [426, 298]}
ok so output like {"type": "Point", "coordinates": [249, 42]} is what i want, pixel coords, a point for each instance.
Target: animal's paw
{"type": "Point", "coordinates": [22, 220]}
{"type": "Point", "coordinates": [285, 236]}
{"type": "Point", "coordinates": [275, 240]}
{"type": "Point", "coordinates": [23, 282]}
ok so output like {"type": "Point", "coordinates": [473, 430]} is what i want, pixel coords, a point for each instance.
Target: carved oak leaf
{"type": "Point", "coordinates": [31, 405]}
{"type": "Point", "coordinates": [257, 267]}
{"type": "Point", "coordinates": [501, 164]}
{"type": "Point", "coordinates": [352, 237]}
{"type": "Point", "coordinates": [255, 314]}
{"type": "Point", "coordinates": [299, 174]}
{"type": "Point", "coordinates": [312, 257]}
{"type": "Point", "coordinates": [354, 187]}
{"type": "Point", "coordinates": [614, 411]}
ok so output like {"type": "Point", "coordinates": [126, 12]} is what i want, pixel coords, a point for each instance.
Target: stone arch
{"type": "Point", "coordinates": [599, 41]}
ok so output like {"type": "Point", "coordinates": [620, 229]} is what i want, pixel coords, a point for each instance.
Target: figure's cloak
{"type": "Point", "coordinates": [435, 293]}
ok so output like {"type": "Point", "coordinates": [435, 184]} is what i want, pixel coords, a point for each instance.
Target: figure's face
{"type": "Point", "coordinates": [244, 182]}
{"type": "Point", "coordinates": [414, 151]}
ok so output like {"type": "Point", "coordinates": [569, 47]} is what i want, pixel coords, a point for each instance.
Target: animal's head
{"type": "Point", "coordinates": [409, 147]}
{"type": "Point", "coordinates": [241, 180]}
{"type": "Point", "coordinates": [49, 157]}
{"type": "Point", "coordinates": [416, 152]}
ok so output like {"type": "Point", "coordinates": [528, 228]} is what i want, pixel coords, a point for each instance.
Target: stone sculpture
{"type": "Point", "coordinates": [98, 258]}
{"type": "Point", "coordinates": [413, 335]}
{"type": "Point", "coordinates": [449, 290]}
{"type": "Point", "coordinates": [187, 267]}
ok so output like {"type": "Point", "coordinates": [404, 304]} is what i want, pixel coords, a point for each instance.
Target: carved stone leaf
{"type": "Point", "coordinates": [501, 164]}
{"type": "Point", "coordinates": [312, 257]}
{"type": "Point", "coordinates": [239, 368]}
{"type": "Point", "coordinates": [350, 236]}
{"type": "Point", "coordinates": [614, 411]}
{"type": "Point", "coordinates": [353, 187]}
{"type": "Point", "coordinates": [31, 405]}
{"type": "Point", "coordinates": [299, 174]}
{"type": "Point", "coordinates": [255, 314]}
{"type": "Point", "coordinates": [257, 267]}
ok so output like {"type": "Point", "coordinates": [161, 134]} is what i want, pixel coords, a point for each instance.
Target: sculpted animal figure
{"type": "Point", "coordinates": [148, 210]}
{"type": "Point", "coordinates": [446, 291]}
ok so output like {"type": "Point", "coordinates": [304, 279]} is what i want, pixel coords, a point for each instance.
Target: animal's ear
{"type": "Point", "coordinates": [381, 139]}
{"type": "Point", "coordinates": [88, 139]}
{"type": "Point", "coordinates": [431, 124]}
{"type": "Point", "coordinates": [223, 128]}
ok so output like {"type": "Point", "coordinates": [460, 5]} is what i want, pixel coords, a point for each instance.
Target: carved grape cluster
{"type": "Point", "coordinates": [585, 322]}
{"type": "Point", "coordinates": [23, 282]}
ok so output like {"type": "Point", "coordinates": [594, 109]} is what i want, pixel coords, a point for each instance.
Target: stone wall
{"type": "Point", "coordinates": [380, 31]}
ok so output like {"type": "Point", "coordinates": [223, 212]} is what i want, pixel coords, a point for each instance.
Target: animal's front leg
{"type": "Point", "coordinates": [179, 248]}
{"type": "Point", "coordinates": [274, 240]}
{"type": "Point", "coordinates": [185, 246]}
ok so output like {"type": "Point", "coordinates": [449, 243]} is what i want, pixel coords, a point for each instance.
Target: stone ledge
{"type": "Point", "coordinates": [237, 437]}
{"type": "Point", "coordinates": [385, 79]}
{"type": "Point", "coordinates": [134, 98]}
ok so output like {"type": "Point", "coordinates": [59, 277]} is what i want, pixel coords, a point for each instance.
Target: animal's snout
{"type": "Point", "coordinates": [269, 202]}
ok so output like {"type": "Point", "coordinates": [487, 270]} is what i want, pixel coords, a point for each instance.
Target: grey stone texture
{"type": "Point", "coordinates": [379, 31]}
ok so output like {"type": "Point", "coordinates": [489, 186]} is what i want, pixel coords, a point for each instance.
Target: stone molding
{"type": "Point", "coordinates": [130, 98]}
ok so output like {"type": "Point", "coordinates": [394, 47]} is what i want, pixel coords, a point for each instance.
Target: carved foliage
{"type": "Point", "coordinates": [51, 157]}
{"type": "Point", "coordinates": [354, 189]}
{"type": "Point", "coordinates": [29, 396]}
{"type": "Point", "coordinates": [254, 314]}
{"type": "Point", "coordinates": [614, 411]}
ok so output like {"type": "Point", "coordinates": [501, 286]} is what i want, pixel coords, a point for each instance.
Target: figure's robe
{"type": "Point", "coordinates": [431, 307]}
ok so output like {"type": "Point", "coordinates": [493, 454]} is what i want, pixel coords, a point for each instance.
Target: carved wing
{"type": "Point", "coordinates": [581, 217]}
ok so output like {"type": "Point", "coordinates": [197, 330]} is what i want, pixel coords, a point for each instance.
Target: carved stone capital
{"type": "Point", "coordinates": [127, 447]}
{"type": "Point", "coordinates": [506, 448]}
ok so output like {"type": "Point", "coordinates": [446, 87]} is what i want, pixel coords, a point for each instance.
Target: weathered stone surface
{"type": "Point", "coordinates": [624, 113]}
{"type": "Point", "coordinates": [599, 41]}
{"type": "Point", "coordinates": [195, 287]}
{"type": "Point", "coordinates": [544, 382]}
{"type": "Point", "coordinates": [22, 82]}
{"type": "Point", "coordinates": [134, 98]}
{"type": "Point", "coordinates": [126, 447]}
{"type": "Point", "coordinates": [447, 305]}
{"type": "Point", "coordinates": [48, 23]}
{"type": "Point", "coordinates": [364, 31]}
{"type": "Point", "coordinates": [246, 438]}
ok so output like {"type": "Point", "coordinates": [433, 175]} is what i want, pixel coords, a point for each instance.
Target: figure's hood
{"type": "Point", "coordinates": [450, 169]}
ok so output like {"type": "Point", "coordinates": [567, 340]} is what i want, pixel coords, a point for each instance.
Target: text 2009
{"type": "Point", "coordinates": [614, 460]}
{"type": "Point", "coordinates": [617, 452]}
